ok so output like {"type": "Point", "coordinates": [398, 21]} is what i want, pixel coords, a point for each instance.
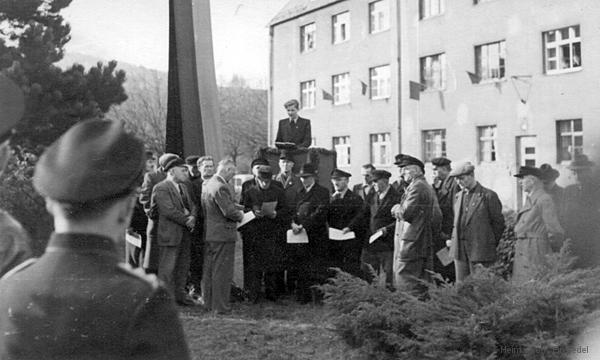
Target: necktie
{"type": "Point", "coordinates": [183, 198]}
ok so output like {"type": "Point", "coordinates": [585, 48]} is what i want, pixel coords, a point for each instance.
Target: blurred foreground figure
{"type": "Point", "coordinates": [14, 242]}
{"type": "Point", "coordinates": [77, 300]}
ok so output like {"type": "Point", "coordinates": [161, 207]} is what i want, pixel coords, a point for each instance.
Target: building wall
{"type": "Point", "coordinates": [466, 106]}
{"type": "Point", "coordinates": [362, 116]}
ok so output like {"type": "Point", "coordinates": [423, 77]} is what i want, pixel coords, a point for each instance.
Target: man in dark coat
{"type": "Point", "coordinates": [310, 260]}
{"type": "Point", "coordinates": [294, 129]}
{"type": "Point", "coordinates": [445, 188]}
{"type": "Point", "coordinates": [78, 301]}
{"type": "Point", "coordinates": [377, 255]}
{"type": "Point", "coordinates": [346, 214]}
{"type": "Point", "coordinates": [14, 241]}
{"type": "Point", "coordinates": [363, 189]}
{"type": "Point", "coordinates": [194, 187]}
{"type": "Point", "coordinates": [418, 218]}
{"type": "Point", "coordinates": [264, 237]}
{"type": "Point", "coordinates": [478, 223]}
{"type": "Point", "coordinates": [556, 192]}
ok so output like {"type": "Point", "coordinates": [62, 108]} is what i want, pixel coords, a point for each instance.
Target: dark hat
{"type": "Point", "coordinates": [264, 172]}
{"type": "Point", "coordinates": [580, 161]}
{"type": "Point", "coordinates": [259, 161]}
{"type": "Point", "coordinates": [307, 169]}
{"type": "Point", "coordinates": [440, 161]}
{"type": "Point", "coordinates": [191, 160]}
{"type": "Point", "coordinates": [337, 173]}
{"type": "Point", "coordinates": [12, 106]}
{"type": "Point", "coordinates": [462, 169]}
{"type": "Point", "coordinates": [529, 170]}
{"type": "Point", "coordinates": [173, 162]}
{"type": "Point", "coordinates": [403, 160]}
{"type": "Point", "coordinates": [94, 160]}
{"type": "Point", "coordinates": [380, 174]}
{"type": "Point", "coordinates": [548, 173]}
{"type": "Point", "coordinates": [285, 156]}
{"type": "Point", "coordinates": [165, 158]}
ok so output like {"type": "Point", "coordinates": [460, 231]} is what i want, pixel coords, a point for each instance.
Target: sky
{"type": "Point", "coordinates": [136, 31]}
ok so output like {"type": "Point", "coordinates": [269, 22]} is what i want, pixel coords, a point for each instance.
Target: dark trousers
{"type": "Point", "coordinates": [196, 262]}
{"type": "Point", "coordinates": [217, 275]}
{"type": "Point", "coordinates": [174, 266]}
{"type": "Point", "coordinates": [410, 276]}
{"type": "Point", "coordinates": [152, 251]}
{"type": "Point", "coordinates": [378, 262]}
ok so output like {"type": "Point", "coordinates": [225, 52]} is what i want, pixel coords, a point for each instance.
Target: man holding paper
{"type": "Point", "coordinates": [264, 236]}
{"type": "Point", "coordinates": [345, 214]}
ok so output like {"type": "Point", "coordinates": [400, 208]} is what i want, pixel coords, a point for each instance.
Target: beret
{"type": "Point", "coordinates": [307, 169]}
{"type": "Point", "coordinates": [548, 173]}
{"type": "Point", "coordinates": [380, 174]}
{"type": "Point", "coordinates": [94, 160]}
{"type": "Point", "coordinates": [173, 162]}
{"type": "Point", "coordinates": [440, 161]}
{"type": "Point", "coordinates": [529, 170]}
{"type": "Point", "coordinates": [403, 160]}
{"type": "Point", "coordinates": [259, 161]}
{"type": "Point", "coordinates": [337, 173]}
{"type": "Point", "coordinates": [580, 161]}
{"type": "Point", "coordinates": [12, 106]}
{"type": "Point", "coordinates": [192, 159]}
{"type": "Point", "coordinates": [462, 169]}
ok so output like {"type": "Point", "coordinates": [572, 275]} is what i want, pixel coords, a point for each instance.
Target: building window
{"type": "Point", "coordinates": [379, 82]}
{"type": "Point", "coordinates": [490, 60]}
{"type": "Point", "coordinates": [341, 88]}
{"type": "Point", "coordinates": [308, 94]}
{"type": "Point", "coordinates": [562, 50]}
{"type": "Point", "coordinates": [341, 27]}
{"type": "Point", "coordinates": [429, 8]}
{"type": "Point", "coordinates": [379, 16]}
{"type": "Point", "coordinates": [433, 71]}
{"type": "Point", "coordinates": [569, 139]}
{"type": "Point", "coordinates": [341, 145]}
{"type": "Point", "coordinates": [307, 37]}
{"type": "Point", "coordinates": [434, 144]}
{"type": "Point", "coordinates": [487, 143]}
{"type": "Point", "coordinates": [381, 149]}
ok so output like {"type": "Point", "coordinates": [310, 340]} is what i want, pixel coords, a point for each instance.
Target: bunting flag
{"type": "Point", "coordinates": [364, 88]}
{"type": "Point", "coordinates": [326, 95]}
{"type": "Point", "coordinates": [475, 79]}
{"type": "Point", "coordinates": [415, 89]}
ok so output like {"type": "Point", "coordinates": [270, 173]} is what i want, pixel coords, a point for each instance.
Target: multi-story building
{"type": "Point", "coordinates": [499, 82]}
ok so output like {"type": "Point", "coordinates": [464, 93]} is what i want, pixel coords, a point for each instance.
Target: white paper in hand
{"type": "Point", "coordinates": [134, 239]}
{"type": "Point", "coordinates": [248, 216]}
{"type": "Point", "coordinates": [300, 238]}
{"type": "Point", "coordinates": [337, 234]}
{"type": "Point", "coordinates": [444, 256]}
{"type": "Point", "coordinates": [375, 236]}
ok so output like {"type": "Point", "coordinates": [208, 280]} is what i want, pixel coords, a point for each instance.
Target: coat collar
{"type": "Point", "coordinates": [476, 199]}
{"type": "Point", "coordinates": [82, 243]}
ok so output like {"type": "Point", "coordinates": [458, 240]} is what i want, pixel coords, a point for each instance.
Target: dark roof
{"type": "Point", "coordinates": [295, 8]}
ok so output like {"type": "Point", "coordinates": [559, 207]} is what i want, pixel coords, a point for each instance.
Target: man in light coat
{"type": "Point", "coordinates": [478, 223]}
{"type": "Point", "coordinates": [221, 214]}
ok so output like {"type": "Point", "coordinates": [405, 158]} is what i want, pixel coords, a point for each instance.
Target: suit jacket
{"type": "Point", "coordinates": [14, 243]}
{"type": "Point", "coordinates": [359, 190]}
{"type": "Point", "coordinates": [418, 218]}
{"type": "Point", "coordinates": [300, 134]}
{"type": "Point", "coordinates": [537, 219]}
{"type": "Point", "coordinates": [311, 213]}
{"type": "Point", "coordinates": [150, 180]}
{"type": "Point", "coordinates": [77, 301]}
{"type": "Point", "coordinates": [380, 216]}
{"type": "Point", "coordinates": [221, 211]}
{"type": "Point", "coordinates": [171, 216]}
{"type": "Point", "coordinates": [347, 212]}
{"type": "Point", "coordinates": [483, 226]}
{"type": "Point", "coordinates": [291, 186]}
{"type": "Point", "coordinates": [445, 192]}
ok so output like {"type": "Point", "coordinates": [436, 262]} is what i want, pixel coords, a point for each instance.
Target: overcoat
{"type": "Point", "coordinates": [171, 216]}
{"type": "Point", "coordinates": [14, 243]}
{"type": "Point", "coordinates": [221, 211]}
{"type": "Point", "coordinates": [347, 211]}
{"type": "Point", "coordinates": [379, 213]}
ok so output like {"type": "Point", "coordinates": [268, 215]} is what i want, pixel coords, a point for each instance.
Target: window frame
{"type": "Point", "coordinates": [443, 72]}
{"type": "Point", "coordinates": [557, 45]}
{"type": "Point", "coordinates": [573, 134]}
{"type": "Point", "coordinates": [304, 38]}
{"type": "Point", "coordinates": [429, 152]}
{"type": "Point", "coordinates": [482, 140]}
{"type": "Point", "coordinates": [337, 98]}
{"type": "Point", "coordinates": [383, 22]}
{"type": "Point", "coordinates": [377, 141]}
{"type": "Point", "coordinates": [308, 91]}
{"type": "Point", "coordinates": [427, 4]}
{"type": "Point", "coordinates": [501, 61]}
{"type": "Point", "coordinates": [380, 81]}
{"type": "Point", "coordinates": [335, 26]}
{"type": "Point", "coordinates": [343, 150]}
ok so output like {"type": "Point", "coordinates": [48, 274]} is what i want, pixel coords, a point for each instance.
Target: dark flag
{"type": "Point", "coordinates": [415, 90]}
{"type": "Point", "coordinates": [364, 88]}
{"type": "Point", "coordinates": [326, 95]}
{"type": "Point", "coordinates": [475, 79]}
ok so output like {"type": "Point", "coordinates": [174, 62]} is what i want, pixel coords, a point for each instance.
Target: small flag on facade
{"type": "Point", "coordinates": [326, 95]}
{"type": "Point", "coordinates": [475, 79]}
{"type": "Point", "coordinates": [364, 88]}
{"type": "Point", "coordinates": [415, 89]}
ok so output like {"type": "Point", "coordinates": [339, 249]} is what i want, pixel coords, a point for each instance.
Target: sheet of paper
{"type": "Point", "coordinates": [336, 234]}
{"type": "Point", "coordinates": [248, 216]}
{"type": "Point", "coordinates": [444, 256]}
{"type": "Point", "coordinates": [300, 238]}
{"type": "Point", "coordinates": [375, 236]}
{"type": "Point", "coordinates": [134, 239]}
{"type": "Point", "coordinates": [268, 208]}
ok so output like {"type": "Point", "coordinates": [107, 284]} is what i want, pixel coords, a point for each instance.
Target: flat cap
{"type": "Point", "coordinates": [307, 169]}
{"type": "Point", "coordinates": [337, 173]}
{"type": "Point", "coordinates": [12, 106]}
{"type": "Point", "coordinates": [529, 170]}
{"type": "Point", "coordinates": [94, 160]}
{"type": "Point", "coordinates": [165, 158]}
{"type": "Point", "coordinates": [259, 161]}
{"type": "Point", "coordinates": [403, 160]}
{"type": "Point", "coordinates": [549, 173]}
{"type": "Point", "coordinates": [192, 160]}
{"type": "Point", "coordinates": [380, 174]}
{"type": "Point", "coordinates": [464, 168]}
{"type": "Point", "coordinates": [440, 161]}
{"type": "Point", "coordinates": [173, 162]}
{"type": "Point", "coordinates": [580, 161]}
